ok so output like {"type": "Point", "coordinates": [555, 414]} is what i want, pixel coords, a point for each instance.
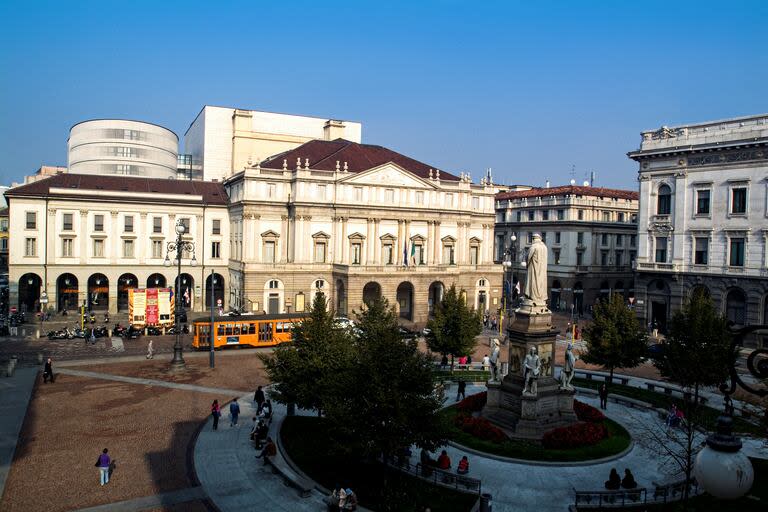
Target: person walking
{"type": "Point", "coordinates": [603, 392]}
{"type": "Point", "coordinates": [103, 463]}
{"type": "Point", "coordinates": [234, 412]}
{"type": "Point", "coordinates": [150, 350]}
{"type": "Point", "coordinates": [215, 413]}
{"type": "Point", "coordinates": [48, 371]}
{"type": "Point", "coordinates": [462, 389]}
{"type": "Point", "coordinates": [259, 398]}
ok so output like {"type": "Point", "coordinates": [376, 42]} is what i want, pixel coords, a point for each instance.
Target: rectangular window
{"type": "Point", "coordinates": [357, 250]}
{"type": "Point", "coordinates": [661, 249]}
{"type": "Point", "coordinates": [127, 248]}
{"type": "Point", "coordinates": [619, 258]}
{"type": "Point", "coordinates": [319, 252]}
{"type": "Point", "coordinates": [604, 239]}
{"type": "Point", "coordinates": [634, 218]}
{"type": "Point", "coordinates": [66, 247]}
{"type": "Point", "coordinates": [702, 202]}
{"type": "Point", "coordinates": [581, 214]}
{"type": "Point", "coordinates": [269, 252]}
{"type": "Point", "coordinates": [128, 224]}
{"type": "Point", "coordinates": [619, 240]}
{"type": "Point", "coordinates": [388, 256]}
{"type": "Point", "coordinates": [530, 238]}
{"type": "Point", "coordinates": [359, 194]}
{"type": "Point", "coordinates": [604, 258]}
{"type": "Point", "coordinates": [606, 216]}
{"type": "Point", "coordinates": [632, 257]}
{"type": "Point", "coordinates": [66, 222]}
{"type": "Point", "coordinates": [389, 195]}
{"type": "Point", "coordinates": [31, 220]}
{"type": "Point", "coordinates": [30, 247]}
{"type": "Point", "coordinates": [579, 258]}
{"type": "Point", "coordinates": [98, 223]}
{"type": "Point", "coordinates": [739, 200]}
{"type": "Point", "coordinates": [271, 190]}
{"type": "Point", "coordinates": [98, 248]}
{"type": "Point", "coordinates": [216, 250]}
{"type": "Point", "coordinates": [321, 190]}
{"type": "Point", "coordinates": [448, 255]}
{"type": "Point", "coordinates": [556, 254]}
{"type": "Point", "coordinates": [475, 203]}
{"type": "Point", "coordinates": [449, 200]}
{"type": "Point", "coordinates": [419, 197]}
{"type": "Point", "coordinates": [580, 238]}
{"type": "Point", "coordinates": [620, 217]}
{"type": "Point", "coordinates": [557, 237]}
{"type": "Point", "coordinates": [560, 214]}
{"type": "Point", "coordinates": [545, 215]}
{"type": "Point", "coordinates": [4, 225]}
{"type": "Point", "coordinates": [216, 227]}
{"type": "Point", "coordinates": [185, 222]}
{"type": "Point", "coordinates": [531, 214]}
{"type": "Point", "coordinates": [519, 216]}
{"type": "Point", "coordinates": [544, 237]}
{"type": "Point", "coordinates": [632, 240]}
{"type": "Point", "coordinates": [499, 247]}
{"type": "Point", "coordinates": [418, 255]}
{"type": "Point", "coordinates": [473, 255]}
{"type": "Point", "coordinates": [4, 244]}
{"type": "Point", "coordinates": [701, 254]}
{"type": "Point", "coordinates": [157, 224]}
{"type": "Point", "coordinates": [157, 249]}
{"type": "Point", "coordinates": [737, 252]}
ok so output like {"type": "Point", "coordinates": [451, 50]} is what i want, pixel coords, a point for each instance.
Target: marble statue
{"type": "Point", "coordinates": [566, 376]}
{"type": "Point", "coordinates": [495, 360]}
{"type": "Point", "coordinates": [536, 279]}
{"type": "Point", "coordinates": [531, 369]}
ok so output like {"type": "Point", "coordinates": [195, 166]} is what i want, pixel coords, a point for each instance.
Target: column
{"type": "Point", "coordinates": [333, 242]}
{"type": "Point", "coordinates": [430, 241]}
{"type": "Point", "coordinates": [83, 234]}
{"type": "Point", "coordinates": [407, 242]}
{"type": "Point", "coordinates": [376, 242]}
{"type": "Point", "coordinates": [344, 246]}
{"type": "Point", "coordinates": [437, 244]}
{"type": "Point", "coordinates": [286, 239]}
{"type": "Point", "coordinates": [368, 240]}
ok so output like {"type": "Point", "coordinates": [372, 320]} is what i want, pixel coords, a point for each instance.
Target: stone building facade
{"type": "Point", "coordinates": [704, 218]}
{"type": "Point", "coordinates": [590, 233]}
{"type": "Point", "coordinates": [356, 221]}
{"type": "Point", "coordinates": [87, 239]}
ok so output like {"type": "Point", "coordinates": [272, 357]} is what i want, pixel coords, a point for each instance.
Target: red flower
{"type": "Point", "coordinates": [480, 428]}
{"type": "Point", "coordinates": [574, 436]}
{"type": "Point", "coordinates": [587, 413]}
{"type": "Point", "coordinates": [473, 403]}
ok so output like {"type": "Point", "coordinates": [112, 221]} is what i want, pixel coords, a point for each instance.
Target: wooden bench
{"type": "Point", "coordinates": [591, 376]}
{"type": "Point", "coordinates": [290, 477]}
{"type": "Point", "coordinates": [586, 500]}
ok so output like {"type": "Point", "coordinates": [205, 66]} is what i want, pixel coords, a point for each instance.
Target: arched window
{"type": "Point", "coordinates": [664, 204]}
{"type": "Point", "coordinates": [274, 284]}
{"type": "Point", "coordinates": [736, 307]}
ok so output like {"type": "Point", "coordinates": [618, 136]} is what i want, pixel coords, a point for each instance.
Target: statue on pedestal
{"type": "Point", "coordinates": [531, 370]}
{"type": "Point", "coordinates": [568, 368]}
{"type": "Point", "coordinates": [495, 360]}
{"type": "Point", "coordinates": [536, 278]}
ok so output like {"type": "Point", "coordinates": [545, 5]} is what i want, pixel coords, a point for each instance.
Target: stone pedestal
{"type": "Point", "coordinates": [524, 415]}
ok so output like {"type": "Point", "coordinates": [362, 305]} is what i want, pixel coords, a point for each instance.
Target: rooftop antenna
{"type": "Point", "coordinates": [573, 174]}
{"type": "Point", "coordinates": [592, 179]}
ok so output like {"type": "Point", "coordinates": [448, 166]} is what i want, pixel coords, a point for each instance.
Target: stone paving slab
{"type": "Point", "coordinates": [15, 393]}
{"type": "Point", "coordinates": [147, 502]}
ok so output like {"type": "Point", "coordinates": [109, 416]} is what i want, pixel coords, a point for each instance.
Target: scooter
{"type": "Point", "coordinates": [58, 335]}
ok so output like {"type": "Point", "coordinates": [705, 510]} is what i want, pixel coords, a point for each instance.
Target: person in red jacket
{"type": "Point", "coordinates": [463, 467]}
{"type": "Point", "coordinates": [443, 461]}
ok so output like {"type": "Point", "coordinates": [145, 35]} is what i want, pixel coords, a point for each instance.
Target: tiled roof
{"type": "Point", "coordinates": [570, 190]}
{"type": "Point", "coordinates": [324, 154]}
{"type": "Point", "coordinates": [213, 193]}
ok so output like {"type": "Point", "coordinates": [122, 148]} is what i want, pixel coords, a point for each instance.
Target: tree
{"type": "Point", "coordinates": [454, 327]}
{"type": "Point", "coordinates": [386, 399]}
{"type": "Point", "coordinates": [615, 338]}
{"type": "Point", "coordinates": [696, 354]}
{"type": "Point", "coordinates": [304, 372]}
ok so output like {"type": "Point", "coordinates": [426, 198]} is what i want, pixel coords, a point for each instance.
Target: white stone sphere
{"type": "Point", "coordinates": [722, 474]}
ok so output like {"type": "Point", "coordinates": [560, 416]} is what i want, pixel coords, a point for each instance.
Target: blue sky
{"type": "Point", "coordinates": [527, 88]}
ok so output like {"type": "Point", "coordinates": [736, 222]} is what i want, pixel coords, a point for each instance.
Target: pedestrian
{"type": "Point", "coordinates": [603, 392]}
{"type": "Point", "coordinates": [462, 389]}
{"type": "Point", "coordinates": [463, 467]}
{"type": "Point", "coordinates": [103, 463]}
{"type": "Point", "coordinates": [655, 329]}
{"type": "Point", "coordinates": [234, 412]}
{"type": "Point", "coordinates": [486, 363]}
{"type": "Point", "coordinates": [444, 361]}
{"type": "Point", "coordinates": [150, 350]}
{"type": "Point", "coordinates": [269, 450]}
{"type": "Point", "coordinates": [259, 398]}
{"type": "Point", "coordinates": [48, 371]}
{"type": "Point", "coordinates": [351, 503]}
{"type": "Point", "coordinates": [215, 413]}
{"type": "Point", "coordinates": [266, 410]}
{"type": "Point", "coordinates": [93, 336]}
{"type": "Point", "coordinates": [333, 499]}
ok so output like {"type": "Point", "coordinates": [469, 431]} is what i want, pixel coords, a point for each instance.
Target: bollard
{"type": "Point", "coordinates": [486, 505]}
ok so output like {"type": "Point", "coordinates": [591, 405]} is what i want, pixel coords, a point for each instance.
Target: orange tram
{"type": "Point", "coordinates": [244, 330]}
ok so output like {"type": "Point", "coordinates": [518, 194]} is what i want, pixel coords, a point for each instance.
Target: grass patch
{"type": "Point", "coordinates": [617, 441]}
{"type": "Point", "coordinates": [662, 401]}
{"type": "Point", "coordinates": [307, 442]}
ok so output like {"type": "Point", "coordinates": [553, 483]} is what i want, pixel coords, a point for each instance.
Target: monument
{"type": "Point", "coordinates": [529, 401]}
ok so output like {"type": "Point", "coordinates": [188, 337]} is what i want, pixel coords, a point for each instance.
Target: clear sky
{"type": "Point", "coordinates": [529, 89]}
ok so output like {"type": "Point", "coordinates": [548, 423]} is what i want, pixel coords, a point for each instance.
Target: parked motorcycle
{"type": "Point", "coordinates": [100, 332]}
{"type": "Point", "coordinates": [131, 333]}
{"type": "Point", "coordinates": [61, 334]}
{"type": "Point", "coordinates": [154, 331]}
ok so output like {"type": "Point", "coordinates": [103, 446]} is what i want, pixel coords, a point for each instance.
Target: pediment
{"type": "Point", "coordinates": [321, 234]}
{"type": "Point", "coordinates": [388, 236]}
{"type": "Point", "coordinates": [448, 238]}
{"type": "Point", "coordinates": [474, 240]}
{"type": "Point", "coordinates": [389, 174]}
{"type": "Point", "coordinates": [418, 238]}
{"type": "Point", "coordinates": [270, 234]}
{"type": "Point", "coordinates": [356, 236]}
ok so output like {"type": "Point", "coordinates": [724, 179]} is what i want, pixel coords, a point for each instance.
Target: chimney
{"type": "Point", "coordinates": [333, 130]}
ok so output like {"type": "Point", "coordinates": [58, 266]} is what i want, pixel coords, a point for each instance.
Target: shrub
{"type": "Point", "coordinates": [574, 436]}
{"type": "Point", "coordinates": [587, 413]}
{"type": "Point", "coordinates": [480, 428]}
{"type": "Point", "coordinates": [473, 403]}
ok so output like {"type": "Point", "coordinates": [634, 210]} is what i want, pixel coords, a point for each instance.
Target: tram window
{"type": "Point", "coordinates": [220, 330]}
{"type": "Point", "coordinates": [228, 329]}
{"type": "Point", "coordinates": [236, 330]}
{"type": "Point", "coordinates": [202, 330]}
{"type": "Point", "coordinates": [251, 328]}
{"type": "Point", "coordinates": [279, 327]}
{"type": "Point", "coordinates": [288, 326]}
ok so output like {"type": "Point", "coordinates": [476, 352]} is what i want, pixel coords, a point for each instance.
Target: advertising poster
{"type": "Point", "coordinates": [153, 314]}
{"type": "Point", "coordinates": [137, 306]}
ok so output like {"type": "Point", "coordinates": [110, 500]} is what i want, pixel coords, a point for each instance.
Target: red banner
{"type": "Point", "coordinates": [153, 313]}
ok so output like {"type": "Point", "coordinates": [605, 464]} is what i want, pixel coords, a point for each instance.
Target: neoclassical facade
{"type": "Point", "coordinates": [591, 235]}
{"type": "Point", "coordinates": [704, 218]}
{"type": "Point", "coordinates": [356, 221]}
{"type": "Point", "coordinates": [87, 239]}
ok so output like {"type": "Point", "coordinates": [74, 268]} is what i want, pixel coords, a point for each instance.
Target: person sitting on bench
{"type": "Point", "coordinates": [614, 481]}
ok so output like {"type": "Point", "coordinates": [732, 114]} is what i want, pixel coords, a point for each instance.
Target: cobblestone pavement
{"type": "Point", "coordinates": [148, 430]}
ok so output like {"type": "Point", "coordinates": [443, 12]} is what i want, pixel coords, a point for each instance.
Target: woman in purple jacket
{"type": "Point", "coordinates": [103, 465]}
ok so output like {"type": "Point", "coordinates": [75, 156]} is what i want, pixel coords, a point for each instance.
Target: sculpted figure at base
{"type": "Point", "coordinates": [569, 368]}
{"type": "Point", "coordinates": [531, 370]}
{"type": "Point", "coordinates": [495, 367]}
{"type": "Point", "coordinates": [536, 278]}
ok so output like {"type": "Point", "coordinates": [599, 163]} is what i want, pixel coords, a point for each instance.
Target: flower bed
{"type": "Point", "coordinates": [473, 403]}
{"type": "Point", "coordinates": [587, 413]}
{"type": "Point", "coordinates": [575, 436]}
{"type": "Point", "coordinates": [481, 428]}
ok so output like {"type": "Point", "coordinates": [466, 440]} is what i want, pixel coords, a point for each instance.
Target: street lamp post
{"type": "Point", "coordinates": [179, 246]}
